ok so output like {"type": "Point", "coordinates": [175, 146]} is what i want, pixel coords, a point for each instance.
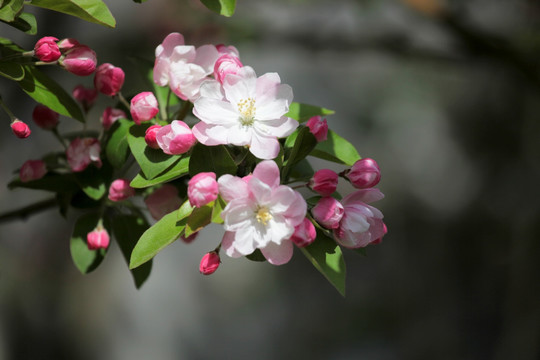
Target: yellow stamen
{"type": "Point", "coordinates": [263, 215]}
{"type": "Point", "coordinates": [247, 109]}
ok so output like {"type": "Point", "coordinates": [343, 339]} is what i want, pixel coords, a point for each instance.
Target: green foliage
{"type": "Point", "coordinates": [10, 9]}
{"type": "Point", "coordinates": [59, 183]}
{"type": "Point", "coordinates": [86, 260]}
{"type": "Point", "coordinates": [93, 181]}
{"type": "Point", "coordinates": [127, 230]}
{"type": "Point", "coordinates": [25, 22]}
{"type": "Point", "coordinates": [94, 11]}
{"type": "Point", "coordinates": [304, 142]}
{"type": "Point", "coordinates": [303, 112]}
{"type": "Point", "coordinates": [326, 256]}
{"type": "Point", "coordinates": [336, 149]}
{"type": "Point", "coordinates": [160, 235]}
{"type": "Point", "coordinates": [117, 148]}
{"type": "Point", "coordinates": [222, 7]}
{"type": "Point", "coordinates": [177, 170]}
{"type": "Point", "coordinates": [211, 159]}
{"type": "Point", "coordinates": [199, 218]}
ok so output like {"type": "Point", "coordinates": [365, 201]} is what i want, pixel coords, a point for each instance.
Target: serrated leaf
{"type": "Point", "coordinates": [152, 161]}
{"type": "Point", "coordinates": [222, 7]}
{"type": "Point", "coordinates": [336, 149]}
{"type": "Point", "coordinates": [303, 112]}
{"type": "Point", "coordinates": [211, 159]}
{"type": "Point", "coordinates": [326, 256]}
{"type": "Point", "coordinates": [94, 11]}
{"type": "Point", "coordinates": [117, 146]}
{"type": "Point", "coordinates": [177, 170]}
{"type": "Point", "coordinates": [127, 230]}
{"type": "Point", "coordinates": [304, 143]}
{"type": "Point", "coordinates": [86, 260]}
{"type": "Point", "coordinates": [160, 235]}
{"type": "Point", "coordinates": [10, 9]}
{"type": "Point", "coordinates": [199, 218]}
{"type": "Point", "coordinates": [46, 91]}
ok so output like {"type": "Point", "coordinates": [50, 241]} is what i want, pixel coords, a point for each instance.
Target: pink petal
{"type": "Point", "coordinates": [278, 254]}
{"type": "Point", "coordinates": [365, 195]}
{"type": "Point", "coordinates": [260, 191]}
{"type": "Point", "coordinates": [232, 187]}
{"type": "Point", "coordinates": [227, 244]}
{"type": "Point", "coordinates": [167, 46]}
{"type": "Point", "coordinates": [268, 172]}
{"type": "Point", "coordinates": [206, 57]}
{"type": "Point", "coordinates": [210, 134]}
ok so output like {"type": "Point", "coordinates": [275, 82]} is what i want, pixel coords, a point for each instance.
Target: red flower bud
{"type": "Point", "coordinates": [109, 79]}
{"type": "Point", "coordinates": [209, 263]}
{"type": "Point", "coordinates": [365, 173]}
{"type": "Point", "coordinates": [98, 239]}
{"type": "Point", "coordinates": [20, 129]}
{"type": "Point", "coordinates": [150, 136]}
{"type": "Point", "coordinates": [120, 190]}
{"type": "Point", "coordinates": [304, 233]}
{"type": "Point", "coordinates": [110, 116]}
{"type": "Point", "coordinates": [318, 127]}
{"type": "Point", "coordinates": [80, 60]}
{"type": "Point", "coordinates": [324, 182]}
{"type": "Point", "coordinates": [44, 117]}
{"type": "Point", "coordinates": [86, 96]}
{"type": "Point", "coordinates": [46, 49]}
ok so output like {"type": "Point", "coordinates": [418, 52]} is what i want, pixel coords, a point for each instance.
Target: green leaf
{"type": "Point", "coordinates": [177, 170]}
{"type": "Point", "coordinates": [326, 256]}
{"type": "Point", "coordinates": [50, 182]}
{"type": "Point", "coordinates": [304, 143]}
{"type": "Point", "coordinates": [10, 9]}
{"type": "Point", "coordinates": [94, 11]}
{"type": "Point", "coordinates": [302, 170]}
{"type": "Point", "coordinates": [12, 48]}
{"type": "Point", "coordinates": [199, 218]}
{"type": "Point", "coordinates": [219, 205]}
{"type": "Point", "coordinates": [165, 97]}
{"type": "Point", "coordinates": [152, 161]}
{"type": "Point", "coordinates": [222, 7]}
{"type": "Point", "coordinates": [25, 22]}
{"type": "Point", "coordinates": [256, 256]}
{"type": "Point", "coordinates": [303, 112]}
{"type": "Point", "coordinates": [86, 260]}
{"type": "Point", "coordinates": [127, 230]}
{"type": "Point", "coordinates": [46, 91]}
{"type": "Point", "coordinates": [211, 159]}
{"type": "Point", "coordinates": [94, 181]}
{"type": "Point", "coordinates": [11, 70]}
{"type": "Point", "coordinates": [117, 146]}
{"type": "Point", "coordinates": [336, 149]}
{"type": "Point", "coordinates": [160, 235]}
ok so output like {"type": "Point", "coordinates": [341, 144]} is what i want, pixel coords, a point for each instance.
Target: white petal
{"type": "Point", "coordinates": [208, 134]}
{"type": "Point", "coordinates": [213, 111]}
{"type": "Point", "coordinates": [239, 135]}
{"type": "Point", "coordinates": [278, 254]}
{"type": "Point", "coordinates": [232, 187]}
{"type": "Point", "coordinates": [279, 229]}
{"type": "Point", "coordinates": [264, 147]}
{"type": "Point", "coordinates": [227, 244]}
{"type": "Point", "coordinates": [244, 241]}
{"type": "Point", "coordinates": [279, 128]}
{"type": "Point", "coordinates": [206, 57]}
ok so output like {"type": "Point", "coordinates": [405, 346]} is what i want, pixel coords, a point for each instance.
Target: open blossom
{"type": "Point", "coordinates": [318, 127]}
{"type": "Point", "coordinates": [260, 214]}
{"type": "Point", "coordinates": [46, 49]}
{"type": "Point", "coordinates": [144, 106]}
{"type": "Point", "coordinates": [163, 201]}
{"type": "Point", "coordinates": [202, 189]}
{"type": "Point", "coordinates": [20, 129]}
{"type": "Point", "coordinates": [44, 117]}
{"type": "Point", "coordinates": [80, 60]}
{"type": "Point", "coordinates": [32, 170]}
{"type": "Point", "coordinates": [361, 223]}
{"type": "Point", "coordinates": [183, 67]}
{"type": "Point", "coordinates": [120, 190]}
{"type": "Point", "coordinates": [175, 138]}
{"type": "Point", "coordinates": [110, 116]}
{"type": "Point", "coordinates": [109, 79]}
{"type": "Point", "coordinates": [246, 110]}
{"type": "Point", "coordinates": [82, 152]}
{"type": "Point", "coordinates": [98, 238]}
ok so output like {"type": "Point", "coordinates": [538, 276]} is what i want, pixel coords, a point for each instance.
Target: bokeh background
{"type": "Point", "coordinates": [444, 95]}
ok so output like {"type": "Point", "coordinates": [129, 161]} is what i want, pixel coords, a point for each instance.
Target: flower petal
{"type": "Point", "coordinates": [213, 111]}
{"type": "Point", "coordinates": [264, 147]}
{"type": "Point", "coordinates": [281, 127]}
{"type": "Point", "coordinates": [209, 134]}
{"type": "Point", "coordinates": [365, 195]}
{"type": "Point", "coordinates": [232, 187]}
{"type": "Point", "coordinates": [268, 172]}
{"type": "Point", "coordinates": [227, 244]}
{"type": "Point", "coordinates": [278, 254]}
{"type": "Point", "coordinates": [206, 57]}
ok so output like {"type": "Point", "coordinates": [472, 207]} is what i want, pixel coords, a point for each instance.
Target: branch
{"type": "Point", "coordinates": [26, 211]}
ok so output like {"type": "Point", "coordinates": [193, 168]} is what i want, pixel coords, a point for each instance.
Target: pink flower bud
{"type": "Point", "coordinates": [190, 238]}
{"type": "Point", "coordinates": [202, 189]}
{"type": "Point", "coordinates": [86, 96]}
{"type": "Point", "coordinates": [110, 116]}
{"type": "Point", "coordinates": [98, 239]}
{"type": "Point", "coordinates": [46, 49]}
{"type": "Point", "coordinates": [44, 117]}
{"type": "Point", "coordinates": [304, 233]}
{"type": "Point", "coordinates": [109, 79]}
{"type": "Point", "coordinates": [32, 170]}
{"type": "Point", "coordinates": [176, 138]}
{"type": "Point", "coordinates": [120, 190]}
{"type": "Point", "coordinates": [20, 129]}
{"type": "Point", "coordinates": [82, 152]}
{"type": "Point", "coordinates": [226, 64]}
{"type": "Point", "coordinates": [328, 212]}
{"type": "Point", "coordinates": [150, 136]}
{"type": "Point", "coordinates": [144, 106]}
{"type": "Point", "coordinates": [163, 201]}
{"type": "Point", "coordinates": [365, 173]}
{"type": "Point", "coordinates": [209, 263]}
{"type": "Point", "coordinates": [324, 182]}
{"type": "Point", "coordinates": [229, 50]}
{"type": "Point", "coordinates": [318, 127]}
{"type": "Point", "coordinates": [80, 60]}
{"type": "Point", "coordinates": [66, 44]}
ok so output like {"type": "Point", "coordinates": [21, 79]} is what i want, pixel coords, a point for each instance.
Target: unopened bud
{"type": "Point", "coordinates": [209, 263]}
{"type": "Point", "coordinates": [109, 79]}
{"type": "Point", "coordinates": [202, 189]}
{"type": "Point", "coordinates": [328, 212]}
{"type": "Point", "coordinates": [98, 239]}
{"type": "Point", "coordinates": [20, 129]}
{"type": "Point", "coordinates": [365, 173]}
{"type": "Point", "coordinates": [32, 170]}
{"type": "Point", "coordinates": [150, 136]}
{"type": "Point", "coordinates": [120, 190]}
{"type": "Point", "coordinates": [44, 117]}
{"type": "Point", "coordinates": [304, 233]}
{"type": "Point", "coordinates": [144, 106]}
{"type": "Point", "coordinates": [318, 127]}
{"type": "Point", "coordinates": [80, 60]}
{"type": "Point", "coordinates": [324, 182]}
{"type": "Point", "coordinates": [46, 49]}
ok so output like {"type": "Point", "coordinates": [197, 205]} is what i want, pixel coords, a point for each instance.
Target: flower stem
{"type": "Point", "coordinates": [59, 137]}
{"type": "Point", "coordinates": [26, 211]}
{"type": "Point", "coordinates": [123, 100]}
{"type": "Point", "coordinates": [6, 109]}
{"type": "Point", "coordinates": [181, 114]}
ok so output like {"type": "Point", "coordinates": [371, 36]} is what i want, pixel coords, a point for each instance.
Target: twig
{"type": "Point", "coordinates": [26, 211]}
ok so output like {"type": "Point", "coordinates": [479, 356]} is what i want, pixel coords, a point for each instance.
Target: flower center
{"type": "Point", "coordinates": [247, 109]}
{"type": "Point", "coordinates": [263, 215]}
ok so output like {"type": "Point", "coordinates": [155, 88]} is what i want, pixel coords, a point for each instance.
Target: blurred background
{"type": "Point", "coordinates": [444, 95]}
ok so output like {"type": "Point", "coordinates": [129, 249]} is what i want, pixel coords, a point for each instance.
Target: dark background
{"type": "Point", "coordinates": [444, 95]}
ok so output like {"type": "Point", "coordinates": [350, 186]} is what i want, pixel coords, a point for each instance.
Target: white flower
{"type": "Point", "coordinates": [245, 110]}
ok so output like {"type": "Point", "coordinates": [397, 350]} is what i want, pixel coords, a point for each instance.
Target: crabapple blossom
{"type": "Point", "coordinates": [120, 190]}
{"type": "Point", "coordinates": [260, 214]}
{"type": "Point", "coordinates": [86, 96]}
{"type": "Point", "coordinates": [80, 60]}
{"type": "Point", "coordinates": [183, 67]}
{"type": "Point", "coordinates": [202, 189]}
{"type": "Point", "coordinates": [81, 152]}
{"type": "Point", "coordinates": [328, 212]}
{"type": "Point", "coordinates": [229, 50]}
{"type": "Point", "coordinates": [246, 110]}
{"type": "Point", "coordinates": [361, 223]}
{"type": "Point", "coordinates": [98, 239]}
{"type": "Point", "coordinates": [175, 138]}
{"type": "Point", "coordinates": [20, 129]}
{"type": "Point", "coordinates": [47, 50]}
{"type": "Point", "coordinates": [209, 263]}
{"type": "Point", "coordinates": [318, 127]}
{"type": "Point", "coordinates": [364, 173]}
{"type": "Point", "coordinates": [110, 116]}
{"type": "Point", "coordinates": [44, 117]}
{"type": "Point", "coordinates": [162, 201]}
{"type": "Point", "coordinates": [324, 182]}
{"type": "Point", "coordinates": [109, 79]}
{"type": "Point", "coordinates": [226, 64]}
{"type": "Point", "coordinates": [67, 43]}
{"type": "Point", "coordinates": [32, 170]}
{"type": "Point", "coordinates": [144, 106]}
{"type": "Point", "coordinates": [304, 233]}
{"type": "Point", "coordinates": [150, 136]}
